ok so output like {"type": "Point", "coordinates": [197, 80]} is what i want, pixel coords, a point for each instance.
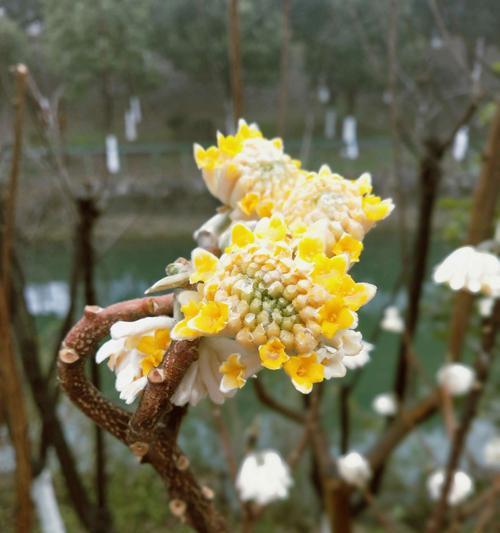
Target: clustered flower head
{"type": "Point", "coordinates": [279, 296]}
{"type": "Point", "coordinates": [254, 178]}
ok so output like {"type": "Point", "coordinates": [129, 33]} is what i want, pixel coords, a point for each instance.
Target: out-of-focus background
{"type": "Point", "coordinates": [119, 92]}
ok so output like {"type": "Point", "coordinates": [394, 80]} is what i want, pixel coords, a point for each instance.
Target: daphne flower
{"type": "Point", "coordinates": [456, 378]}
{"type": "Point", "coordinates": [470, 269]}
{"type": "Point", "coordinates": [354, 469]}
{"type": "Point", "coordinates": [491, 453]}
{"type": "Point", "coordinates": [385, 404]}
{"type": "Point", "coordinates": [267, 298]}
{"type": "Point", "coordinates": [392, 320]}
{"type": "Point", "coordinates": [360, 359]}
{"type": "Point", "coordinates": [263, 478]}
{"type": "Point", "coordinates": [461, 488]}
{"type": "Point", "coordinates": [134, 350]}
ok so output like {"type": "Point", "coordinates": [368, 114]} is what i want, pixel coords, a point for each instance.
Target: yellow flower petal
{"type": "Point", "coordinates": [265, 208]}
{"type": "Point", "coordinates": [348, 245]}
{"type": "Point", "coordinates": [272, 354]}
{"type": "Point", "coordinates": [241, 235]}
{"type": "Point", "coordinates": [204, 264]}
{"type": "Point", "coordinates": [206, 159]}
{"type": "Point", "coordinates": [310, 247]}
{"type": "Point", "coordinates": [334, 316]}
{"type": "Point", "coordinates": [376, 209]}
{"type": "Point", "coordinates": [304, 372]}
{"type": "Point", "coordinates": [232, 371]}
{"type": "Point", "coordinates": [211, 318]}
{"type": "Point", "coordinates": [249, 202]}
{"type": "Point", "coordinates": [273, 228]}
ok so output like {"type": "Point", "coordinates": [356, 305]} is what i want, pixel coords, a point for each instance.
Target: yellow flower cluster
{"type": "Point", "coordinates": [254, 178]}
{"type": "Point", "coordinates": [275, 292]}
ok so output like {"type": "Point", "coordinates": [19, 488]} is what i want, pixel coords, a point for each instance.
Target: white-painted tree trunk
{"type": "Point", "coordinates": [349, 137]}
{"type": "Point", "coordinates": [130, 126]}
{"type": "Point", "coordinates": [112, 156]}
{"type": "Point", "coordinates": [461, 143]}
{"type": "Point", "coordinates": [330, 123]}
{"type": "Point", "coordinates": [47, 508]}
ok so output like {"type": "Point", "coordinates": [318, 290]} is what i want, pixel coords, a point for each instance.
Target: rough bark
{"type": "Point", "coordinates": [189, 502]}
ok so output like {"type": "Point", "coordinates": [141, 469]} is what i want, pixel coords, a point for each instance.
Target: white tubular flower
{"type": "Point", "coordinates": [208, 235]}
{"type": "Point", "coordinates": [456, 378]}
{"type": "Point", "coordinates": [263, 478]}
{"type": "Point", "coordinates": [354, 469]}
{"type": "Point", "coordinates": [134, 350]}
{"type": "Point", "coordinates": [385, 404]}
{"type": "Point", "coordinates": [392, 320]}
{"type": "Point", "coordinates": [491, 453]}
{"type": "Point", "coordinates": [469, 269]}
{"type": "Point", "coordinates": [223, 366]}
{"type": "Point", "coordinates": [360, 359]}
{"type": "Point", "coordinates": [461, 488]}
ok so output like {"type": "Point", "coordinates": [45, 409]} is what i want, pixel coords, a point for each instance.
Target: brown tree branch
{"type": "Point", "coordinates": [480, 228]}
{"type": "Point", "coordinates": [264, 397]}
{"type": "Point", "coordinates": [189, 501]}
{"type": "Point", "coordinates": [482, 366]}
{"type": "Point", "coordinates": [10, 380]}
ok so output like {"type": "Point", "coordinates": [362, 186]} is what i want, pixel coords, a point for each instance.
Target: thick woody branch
{"type": "Point", "coordinates": [189, 502]}
{"type": "Point", "coordinates": [162, 383]}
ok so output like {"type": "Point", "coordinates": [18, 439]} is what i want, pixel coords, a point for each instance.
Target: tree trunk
{"type": "Point", "coordinates": [429, 178]}
{"type": "Point", "coordinates": [88, 215]}
{"type": "Point", "coordinates": [234, 50]}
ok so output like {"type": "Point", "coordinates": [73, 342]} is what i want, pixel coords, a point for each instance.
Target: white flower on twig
{"type": "Point", "coordinates": [469, 269]}
{"type": "Point", "coordinates": [392, 320]}
{"type": "Point", "coordinates": [263, 478]}
{"type": "Point", "coordinates": [385, 404]}
{"type": "Point", "coordinates": [461, 488]}
{"type": "Point", "coordinates": [456, 378]}
{"type": "Point", "coordinates": [491, 452]}
{"type": "Point", "coordinates": [354, 469]}
{"type": "Point", "coordinates": [134, 350]}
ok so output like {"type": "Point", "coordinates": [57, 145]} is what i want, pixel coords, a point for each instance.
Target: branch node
{"type": "Point", "coordinates": [152, 306]}
{"type": "Point", "coordinates": [182, 463]}
{"type": "Point", "coordinates": [92, 310]}
{"type": "Point", "coordinates": [139, 449]}
{"type": "Point", "coordinates": [208, 492]}
{"type": "Point", "coordinates": [178, 508]}
{"type": "Point", "coordinates": [68, 355]}
{"type": "Point", "coordinates": [157, 375]}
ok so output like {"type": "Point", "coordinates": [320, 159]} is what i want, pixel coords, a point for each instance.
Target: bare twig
{"type": "Point", "coordinates": [265, 398]}
{"type": "Point", "coordinates": [10, 380]}
{"type": "Point", "coordinates": [482, 365]}
{"type": "Point", "coordinates": [234, 50]}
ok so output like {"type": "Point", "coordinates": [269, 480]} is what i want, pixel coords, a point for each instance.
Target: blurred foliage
{"type": "Point", "coordinates": [101, 43]}
{"type": "Point", "coordinates": [13, 43]}
{"type": "Point", "coordinates": [193, 36]}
